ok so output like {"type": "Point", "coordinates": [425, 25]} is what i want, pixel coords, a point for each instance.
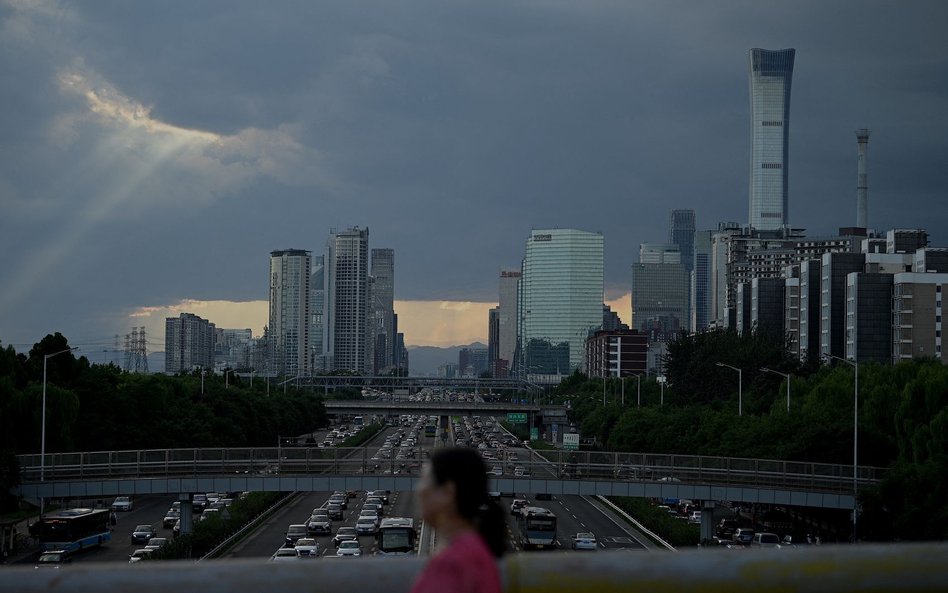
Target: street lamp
{"type": "Point", "coordinates": [46, 357]}
{"type": "Point", "coordinates": [740, 387]}
{"type": "Point", "coordinates": [785, 376]}
{"type": "Point", "coordinates": [855, 366]}
{"type": "Point", "coordinates": [638, 386]}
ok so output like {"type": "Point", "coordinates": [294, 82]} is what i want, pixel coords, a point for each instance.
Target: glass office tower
{"type": "Point", "coordinates": [770, 73]}
{"type": "Point", "coordinates": [561, 293]}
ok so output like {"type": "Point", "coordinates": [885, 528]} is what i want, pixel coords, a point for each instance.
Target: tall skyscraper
{"type": "Point", "coordinates": [681, 232]}
{"type": "Point", "coordinates": [561, 292]}
{"type": "Point", "coordinates": [507, 317]}
{"type": "Point", "coordinates": [347, 304]}
{"type": "Point", "coordinates": [316, 310]}
{"type": "Point", "coordinates": [770, 73]}
{"type": "Point", "coordinates": [701, 283]}
{"type": "Point", "coordinates": [189, 343]}
{"type": "Point", "coordinates": [659, 292]}
{"type": "Point", "coordinates": [289, 312]}
{"type": "Point", "coordinates": [383, 308]}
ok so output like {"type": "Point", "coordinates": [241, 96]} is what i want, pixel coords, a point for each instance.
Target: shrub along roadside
{"type": "Point", "coordinates": [209, 533]}
{"type": "Point", "coordinates": [677, 532]}
{"type": "Point", "coordinates": [363, 436]}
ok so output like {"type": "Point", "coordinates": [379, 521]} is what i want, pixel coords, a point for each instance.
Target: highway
{"type": "Point", "coordinates": [574, 514]}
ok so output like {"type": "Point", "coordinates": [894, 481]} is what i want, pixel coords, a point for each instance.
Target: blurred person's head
{"type": "Point", "coordinates": [453, 487]}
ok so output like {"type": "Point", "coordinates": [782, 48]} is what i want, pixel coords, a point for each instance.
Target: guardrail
{"type": "Point", "coordinates": [838, 569]}
{"type": "Point", "coordinates": [561, 465]}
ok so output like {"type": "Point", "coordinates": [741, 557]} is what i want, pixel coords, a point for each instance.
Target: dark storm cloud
{"type": "Point", "coordinates": [158, 151]}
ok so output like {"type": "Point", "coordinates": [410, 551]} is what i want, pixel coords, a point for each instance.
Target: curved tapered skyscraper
{"type": "Point", "coordinates": [770, 73]}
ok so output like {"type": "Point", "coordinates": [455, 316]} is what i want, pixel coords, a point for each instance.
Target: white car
{"type": "Point", "coordinates": [122, 503]}
{"type": "Point", "coordinates": [285, 555]}
{"type": "Point", "coordinates": [307, 547]}
{"type": "Point", "coordinates": [349, 548]}
{"type": "Point", "coordinates": [139, 555]}
{"type": "Point", "coordinates": [584, 541]}
{"type": "Point", "coordinates": [365, 526]}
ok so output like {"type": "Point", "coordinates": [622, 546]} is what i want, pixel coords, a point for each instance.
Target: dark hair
{"type": "Point", "coordinates": [466, 469]}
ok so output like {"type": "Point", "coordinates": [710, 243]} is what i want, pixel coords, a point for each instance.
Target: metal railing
{"type": "Point", "coordinates": [838, 569]}
{"type": "Point", "coordinates": [559, 465]}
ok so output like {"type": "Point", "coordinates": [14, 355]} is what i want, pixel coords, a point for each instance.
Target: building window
{"type": "Point", "coordinates": [771, 165]}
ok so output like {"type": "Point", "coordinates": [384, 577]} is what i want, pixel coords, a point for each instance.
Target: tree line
{"type": "Point", "coordinates": [100, 407]}
{"type": "Point", "coordinates": [903, 420]}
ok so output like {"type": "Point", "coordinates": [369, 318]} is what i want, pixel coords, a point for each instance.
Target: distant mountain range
{"type": "Point", "coordinates": [425, 360]}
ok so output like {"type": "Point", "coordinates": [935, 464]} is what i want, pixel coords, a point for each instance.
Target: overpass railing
{"type": "Point", "coordinates": [838, 569]}
{"type": "Point", "coordinates": [561, 465]}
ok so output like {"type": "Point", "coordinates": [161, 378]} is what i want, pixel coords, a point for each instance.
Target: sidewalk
{"type": "Point", "coordinates": [20, 528]}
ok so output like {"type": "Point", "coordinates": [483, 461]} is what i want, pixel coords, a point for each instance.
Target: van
{"type": "Point", "coordinates": [295, 532]}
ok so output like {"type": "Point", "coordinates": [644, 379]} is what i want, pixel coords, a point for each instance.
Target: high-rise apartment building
{"type": "Point", "coordinates": [289, 325]}
{"type": "Point", "coordinates": [616, 353]}
{"type": "Point", "coordinates": [918, 308]}
{"type": "Point", "coordinates": [233, 348]}
{"type": "Point", "coordinates": [507, 318]}
{"type": "Point", "coordinates": [869, 316]}
{"type": "Point", "coordinates": [659, 292]}
{"type": "Point", "coordinates": [189, 343]}
{"type": "Point", "coordinates": [561, 292]}
{"type": "Point", "coordinates": [770, 74]}
{"type": "Point", "coordinates": [347, 304]}
{"type": "Point", "coordinates": [383, 309]}
{"type": "Point", "coordinates": [317, 302]}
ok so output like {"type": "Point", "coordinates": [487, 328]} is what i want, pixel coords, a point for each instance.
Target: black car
{"type": "Point", "coordinates": [143, 533]}
{"type": "Point", "coordinates": [725, 529]}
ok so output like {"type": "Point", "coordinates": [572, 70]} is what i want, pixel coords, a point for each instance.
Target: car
{"type": "Point", "coordinates": [344, 534]}
{"type": "Point", "coordinates": [726, 528]}
{"type": "Point", "coordinates": [139, 555]}
{"type": "Point", "coordinates": [156, 543]}
{"type": "Point", "coordinates": [382, 494]}
{"type": "Point", "coordinates": [199, 502]}
{"type": "Point", "coordinates": [307, 547]}
{"type": "Point", "coordinates": [171, 517]}
{"type": "Point", "coordinates": [295, 532]}
{"type": "Point", "coordinates": [497, 470]}
{"type": "Point", "coordinates": [53, 559]}
{"type": "Point", "coordinates": [334, 511]}
{"type": "Point", "coordinates": [765, 540]}
{"type": "Point", "coordinates": [121, 503]}
{"type": "Point", "coordinates": [519, 471]}
{"type": "Point", "coordinates": [743, 536]}
{"type": "Point", "coordinates": [695, 517]}
{"type": "Point", "coordinates": [285, 555]}
{"type": "Point", "coordinates": [319, 523]}
{"type": "Point", "coordinates": [584, 541]}
{"type": "Point", "coordinates": [517, 504]}
{"type": "Point", "coordinates": [366, 525]}
{"type": "Point", "coordinates": [372, 506]}
{"type": "Point", "coordinates": [209, 513]}
{"type": "Point", "coordinates": [349, 548]}
{"type": "Point", "coordinates": [340, 499]}
{"type": "Point", "coordinates": [142, 533]}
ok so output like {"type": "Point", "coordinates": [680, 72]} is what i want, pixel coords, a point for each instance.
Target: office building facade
{"type": "Point", "coordinates": [289, 321]}
{"type": "Point", "coordinates": [616, 353]}
{"type": "Point", "coordinates": [659, 292]}
{"type": "Point", "coordinates": [700, 281]}
{"type": "Point", "coordinates": [507, 318]}
{"type": "Point", "coordinates": [770, 74]}
{"type": "Point", "coordinates": [561, 295]}
{"type": "Point", "coordinates": [869, 316]}
{"type": "Point", "coordinates": [383, 309]}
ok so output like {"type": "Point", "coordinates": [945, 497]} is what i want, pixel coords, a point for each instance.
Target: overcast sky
{"type": "Point", "coordinates": [156, 152]}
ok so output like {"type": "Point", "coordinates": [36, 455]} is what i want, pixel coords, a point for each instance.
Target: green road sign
{"type": "Point", "coordinates": [534, 433]}
{"type": "Point", "coordinates": [517, 417]}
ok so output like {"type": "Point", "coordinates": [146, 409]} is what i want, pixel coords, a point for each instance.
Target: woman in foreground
{"type": "Point", "coordinates": [452, 493]}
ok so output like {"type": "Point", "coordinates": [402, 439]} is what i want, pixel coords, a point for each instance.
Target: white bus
{"type": "Point", "coordinates": [396, 536]}
{"type": "Point", "coordinates": [537, 528]}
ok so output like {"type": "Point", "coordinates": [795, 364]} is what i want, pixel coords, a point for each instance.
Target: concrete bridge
{"type": "Point", "coordinates": [437, 408]}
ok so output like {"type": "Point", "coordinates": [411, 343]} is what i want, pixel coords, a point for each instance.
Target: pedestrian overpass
{"type": "Point", "coordinates": [439, 408]}
{"type": "Point", "coordinates": [175, 471]}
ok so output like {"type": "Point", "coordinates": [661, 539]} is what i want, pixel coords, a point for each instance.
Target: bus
{"type": "Point", "coordinates": [431, 427]}
{"type": "Point", "coordinates": [72, 529]}
{"type": "Point", "coordinates": [537, 528]}
{"type": "Point", "coordinates": [396, 537]}
{"type": "Point", "coordinates": [358, 422]}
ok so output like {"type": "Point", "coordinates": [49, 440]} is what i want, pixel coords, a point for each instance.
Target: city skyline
{"type": "Point", "coordinates": [147, 167]}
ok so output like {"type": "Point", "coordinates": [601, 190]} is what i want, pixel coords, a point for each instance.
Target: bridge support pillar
{"type": "Point", "coordinates": [187, 513]}
{"type": "Point", "coordinates": [707, 520]}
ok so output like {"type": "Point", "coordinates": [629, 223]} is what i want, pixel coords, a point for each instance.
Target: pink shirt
{"type": "Point", "coordinates": [466, 566]}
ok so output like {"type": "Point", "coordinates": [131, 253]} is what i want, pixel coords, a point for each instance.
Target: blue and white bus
{"type": "Point", "coordinates": [72, 529]}
{"type": "Point", "coordinates": [537, 529]}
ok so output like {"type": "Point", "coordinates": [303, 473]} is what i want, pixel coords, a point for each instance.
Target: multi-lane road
{"type": "Point", "coordinates": [574, 514]}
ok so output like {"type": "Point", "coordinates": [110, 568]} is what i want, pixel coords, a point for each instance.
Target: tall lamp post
{"type": "Point", "coordinates": [638, 388]}
{"type": "Point", "coordinates": [46, 357]}
{"type": "Point", "coordinates": [855, 366]}
{"type": "Point", "coordinates": [785, 376]}
{"type": "Point", "coordinates": [740, 387]}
